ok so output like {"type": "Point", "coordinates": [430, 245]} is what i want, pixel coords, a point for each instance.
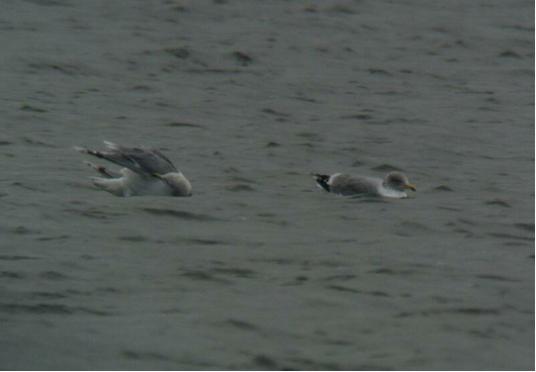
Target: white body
{"type": "Point", "coordinates": [133, 184]}
{"type": "Point", "coordinates": [146, 172]}
{"type": "Point", "coordinates": [344, 184]}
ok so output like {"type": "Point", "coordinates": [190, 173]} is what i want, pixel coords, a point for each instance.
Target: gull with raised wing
{"type": "Point", "coordinates": [145, 171]}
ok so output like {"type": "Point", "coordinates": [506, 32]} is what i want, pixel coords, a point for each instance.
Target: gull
{"type": "Point", "coordinates": [392, 186]}
{"type": "Point", "coordinates": [146, 172]}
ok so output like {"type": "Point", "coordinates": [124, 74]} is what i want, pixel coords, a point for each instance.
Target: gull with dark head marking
{"type": "Point", "coordinates": [394, 185]}
{"type": "Point", "coordinates": [145, 172]}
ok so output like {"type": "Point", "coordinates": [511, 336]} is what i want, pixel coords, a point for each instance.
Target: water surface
{"type": "Point", "coordinates": [260, 269]}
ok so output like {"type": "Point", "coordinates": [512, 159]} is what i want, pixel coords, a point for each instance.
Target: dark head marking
{"type": "Point", "coordinates": [322, 180]}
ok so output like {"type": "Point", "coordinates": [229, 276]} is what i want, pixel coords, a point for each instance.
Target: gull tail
{"type": "Point", "coordinates": [85, 150]}
{"type": "Point", "coordinates": [113, 186]}
{"type": "Point", "coordinates": [102, 170]}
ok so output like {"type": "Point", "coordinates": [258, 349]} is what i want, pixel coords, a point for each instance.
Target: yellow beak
{"type": "Point", "coordinates": [411, 187]}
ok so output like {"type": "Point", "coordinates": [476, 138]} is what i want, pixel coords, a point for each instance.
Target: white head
{"type": "Point", "coordinates": [179, 184]}
{"type": "Point", "coordinates": [398, 181]}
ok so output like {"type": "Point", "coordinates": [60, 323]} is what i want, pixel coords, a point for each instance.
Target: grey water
{"type": "Point", "coordinates": [260, 269]}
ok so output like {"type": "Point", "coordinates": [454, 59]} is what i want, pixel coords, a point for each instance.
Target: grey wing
{"type": "Point", "coordinates": [150, 161]}
{"type": "Point", "coordinates": [140, 160]}
{"type": "Point", "coordinates": [348, 185]}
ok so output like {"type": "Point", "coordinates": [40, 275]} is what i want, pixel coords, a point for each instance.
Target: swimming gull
{"type": "Point", "coordinates": [392, 186]}
{"type": "Point", "coordinates": [146, 172]}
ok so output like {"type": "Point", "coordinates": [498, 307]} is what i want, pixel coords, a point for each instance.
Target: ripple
{"type": "Point", "coordinates": [108, 290]}
{"type": "Point", "coordinates": [49, 295]}
{"type": "Point", "coordinates": [203, 241]}
{"type": "Point", "coordinates": [29, 108]}
{"type": "Point", "coordinates": [16, 257]}
{"type": "Point", "coordinates": [133, 238]}
{"type": "Point", "coordinates": [272, 144]}
{"type": "Point", "coordinates": [311, 136]}
{"type": "Point", "coordinates": [271, 111]}
{"type": "Point", "coordinates": [342, 277]}
{"type": "Point", "coordinates": [234, 271]}
{"type": "Point", "coordinates": [497, 278]}
{"type": "Point", "coordinates": [313, 365]}
{"type": "Point", "coordinates": [341, 288]}
{"type": "Point", "coordinates": [444, 300]}
{"type": "Point", "coordinates": [240, 187]}
{"type": "Point", "coordinates": [181, 53]}
{"type": "Point", "coordinates": [179, 214]}
{"type": "Point", "coordinates": [26, 187]}
{"type": "Point", "coordinates": [11, 275]}
{"type": "Point", "coordinates": [467, 221]}
{"type": "Point", "coordinates": [379, 71]}
{"type": "Point", "coordinates": [276, 260]}
{"type": "Point", "coordinates": [510, 236]}
{"type": "Point", "coordinates": [449, 208]}
{"type": "Point", "coordinates": [203, 276]}
{"type": "Point", "coordinates": [242, 58]}
{"type": "Point", "coordinates": [478, 311]}
{"type": "Point", "coordinates": [389, 271]}
{"type": "Point", "coordinates": [357, 116]}
{"type": "Point", "coordinates": [386, 168]}
{"type": "Point", "coordinates": [35, 309]}
{"type": "Point", "coordinates": [265, 362]}
{"type": "Point", "coordinates": [240, 179]}
{"type": "Point", "coordinates": [525, 226]}
{"type": "Point", "coordinates": [146, 355]}
{"type": "Point", "coordinates": [63, 68]}
{"type": "Point", "coordinates": [94, 213]}
{"type": "Point", "coordinates": [50, 2]}
{"type": "Point", "coordinates": [53, 275]}
{"type": "Point", "coordinates": [415, 226]}
{"type": "Point", "coordinates": [340, 9]}
{"type": "Point", "coordinates": [443, 188]}
{"type": "Point", "coordinates": [510, 54]}
{"type": "Point", "coordinates": [183, 125]}
{"type": "Point", "coordinates": [498, 202]}
{"type": "Point", "coordinates": [48, 238]}
{"type": "Point", "coordinates": [241, 324]}
{"type": "Point", "coordinates": [45, 308]}
{"type": "Point", "coordinates": [231, 170]}
{"type": "Point", "coordinates": [22, 230]}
